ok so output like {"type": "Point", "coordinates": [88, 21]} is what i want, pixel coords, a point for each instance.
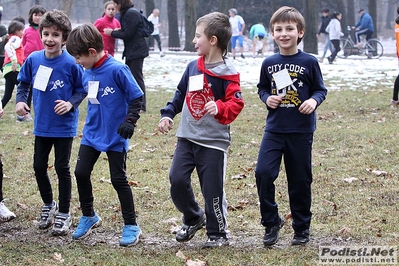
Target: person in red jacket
{"type": "Point", "coordinates": [31, 41]}
{"type": "Point", "coordinates": [395, 100]}
{"type": "Point", "coordinates": [108, 20]}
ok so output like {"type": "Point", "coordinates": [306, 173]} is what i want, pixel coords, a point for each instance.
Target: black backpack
{"type": "Point", "coordinates": [147, 28]}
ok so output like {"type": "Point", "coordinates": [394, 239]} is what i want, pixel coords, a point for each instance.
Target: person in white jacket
{"type": "Point", "coordinates": [335, 32]}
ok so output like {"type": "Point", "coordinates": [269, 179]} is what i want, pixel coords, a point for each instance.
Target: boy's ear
{"type": "Point", "coordinates": [301, 33]}
{"type": "Point", "coordinates": [92, 52]}
{"type": "Point", "coordinates": [213, 40]}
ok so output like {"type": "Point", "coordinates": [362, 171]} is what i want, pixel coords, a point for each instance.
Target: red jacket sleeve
{"type": "Point", "coordinates": [231, 105]}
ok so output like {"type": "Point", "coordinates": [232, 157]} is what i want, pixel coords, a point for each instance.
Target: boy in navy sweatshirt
{"type": "Point", "coordinates": [291, 85]}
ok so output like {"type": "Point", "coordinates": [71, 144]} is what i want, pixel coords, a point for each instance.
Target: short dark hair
{"type": "Point", "coordinates": [82, 38]}
{"type": "Point", "coordinates": [58, 19]}
{"type": "Point", "coordinates": [217, 24]}
{"type": "Point", "coordinates": [361, 10]}
{"type": "Point", "coordinates": [125, 4]}
{"type": "Point", "coordinates": [325, 10]}
{"type": "Point", "coordinates": [14, 26]}
{"type": "Point", "coordinates": [36, 9]}
{"type": "Point", "coordinates": [20, 19]}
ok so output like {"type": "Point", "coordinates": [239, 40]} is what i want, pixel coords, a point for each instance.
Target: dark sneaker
{"type": "Point", "coordinates": [61, 225]}
{"type": "Point", "coordinates": [85, 225]}
{"type": "Point", "coordinates": [130, 235]}
{"type": "Point", "coordinates": [216, 241]}
{"type": "Point", "coordinates": [271, 233]}
{"type": "Point", "coordinates": [47, 215]}
{"type": "Point", "coordinates": [300, 238]}
{"type": "Point", "coordinates": [242, 56]}
{"type": "Point", "coordinates": [330, 61]}
{"type": "Point", "coordinates": [188, 231]}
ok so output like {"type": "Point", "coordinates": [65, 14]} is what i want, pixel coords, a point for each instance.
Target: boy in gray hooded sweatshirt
{"type": "Point", "coordinates": [209, 98]}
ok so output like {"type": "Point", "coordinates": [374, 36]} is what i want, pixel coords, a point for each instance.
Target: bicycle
{"type": "Point", "coordinates": [372, 48]}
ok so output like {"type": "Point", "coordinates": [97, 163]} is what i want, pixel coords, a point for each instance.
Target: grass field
{"type": "Point", "coordinates": [355, 190]}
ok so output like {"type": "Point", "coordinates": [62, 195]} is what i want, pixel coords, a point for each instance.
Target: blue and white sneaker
{"type": "Point", "coordinates": [85, 225]}
{"type": "Point", "coordinates": [130, 235]}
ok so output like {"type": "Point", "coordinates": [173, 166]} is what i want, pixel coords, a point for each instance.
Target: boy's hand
{"type": "Point", "coordinates": [126, 129]}
{"type": "Point", "coordinates": [21, 108]}
{"type": "Point", "coordinates": [308, 106]}
{"type": "Point", "coordinates": [165, 125]}
{"type": "Point", "coordinates": [211, 108]}
{"type": "Point", "coordinates": [1, 112]}
{"type": "Point", "coordinates": [14, 67]}
{"type": "Point", "coordinates": [273, 101]}
{"type": "Point", "coordinates": [62, 107]}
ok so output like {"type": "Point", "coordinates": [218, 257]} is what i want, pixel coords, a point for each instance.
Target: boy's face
{"type": "Point", "coordinates": [286, 36]}
{"type": "Point", "coordinates": [19, 33]}
{"type": "Point", "coordinates": [36, 17]}
{"type": "Point", "coordinates": [201, 41]}
{"type": "Point", "coordinates": [52, 41]}
{"type": "Point", "coordinates": [87, 61]}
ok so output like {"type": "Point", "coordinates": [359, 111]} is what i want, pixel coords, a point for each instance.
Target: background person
{"type": "Point", "coordinates": [238, 26]}
{"type": "Point", "coordinates": [395, 100]}
{"type": "Point", "coordinates": [136, 48]}
{"type": "Point", "coordinates": [258, 33]}
{"type": "Point", "coordinates": [364, 26]}
{"type": "Point", "coordinates": [335, 33]}
{"type": "Point", "coordinates": [31, 40]}
{"type": "Point", "coordinates": [154, 18]}
{"type": "Point", "coordinates": [14, 58]}
{"type": "Point", "coordinates": [325, 19]}
{"type": "Point", "coordinates": [5, 214]}
{"type": "Point", "coordinates": [108, 20]}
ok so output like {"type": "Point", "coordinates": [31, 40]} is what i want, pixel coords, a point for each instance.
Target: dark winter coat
{"type": "Point", "coordinates": [135, 45]}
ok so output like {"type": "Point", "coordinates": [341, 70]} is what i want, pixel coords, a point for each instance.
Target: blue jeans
{"type": "Point", "coordinates": [327, 45]}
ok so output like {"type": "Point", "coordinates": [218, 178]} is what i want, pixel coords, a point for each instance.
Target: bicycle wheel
{"type": "Point", "coordinates": [346, 48]}
{"type": "Point", "coordinates": [374, 49]}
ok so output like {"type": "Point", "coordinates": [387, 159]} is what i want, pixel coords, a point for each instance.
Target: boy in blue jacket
{"type": "Point", "coordinates": [115, 100]}
{"type": "Point", "coordinates": [56, 82]}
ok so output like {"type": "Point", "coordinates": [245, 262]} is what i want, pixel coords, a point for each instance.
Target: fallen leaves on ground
{"type": "Point", "coordinates": [189, 261]}
{"type": "Point", "coordinates": [377, 172]}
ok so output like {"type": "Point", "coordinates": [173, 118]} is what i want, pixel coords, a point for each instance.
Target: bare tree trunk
{"type": "Point", "coordinates": [341, 9]}
{"type": "Point", "coordinates": [149, 7]}
{"type": "Point", "coordinates": [189, 23]}
{"type": "Point", "coordinates": [174, 39]}
{"type": "Point", "coordinates": [225, 5]}
{"type": "Point", "coordinates": [66, 7]}
{"type": "Point", "coordinates": [310, 39]}
{"type": "Point", "coordinates": [351, 15]}
{"type": "Point", "coordinates": [372, 6]}
{"type": "Point", "coordinates": [390, 17]}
